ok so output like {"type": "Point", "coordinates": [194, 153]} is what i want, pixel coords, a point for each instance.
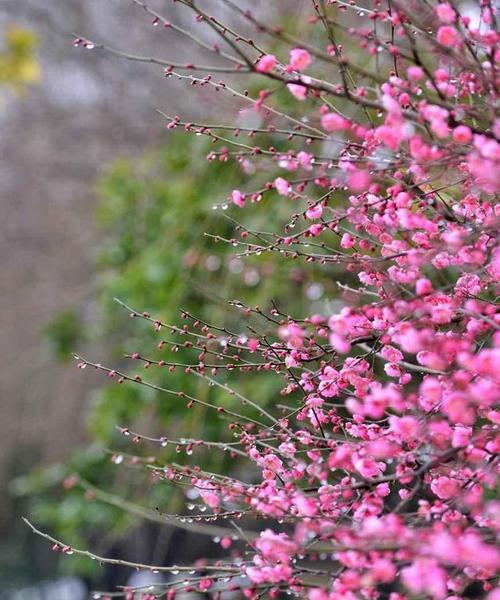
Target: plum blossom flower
{"type": "Point", "coordinates": [445, 13]}
{"type": "Point", "coordinates": [298, 91]}
{"type": "Point", "coordinates": [305, 160]}
{"type": "Point", "coordinates": [314, 212]}
{"type": "Point", "coordinates": [347, 241]}
{"type": "Point", "coordinates": [253, 344]}
{"type": "Point", "coordinates": [448, 36]}
{"type": "Point", "coordinates": [282, 186]}
{"type": "Point", "coordinates": [382, 571]}
{"type": "Point", "coordinates": [423, 286]}
{"type": "Point", "coordinates": [462, 134]}
{"type": "Point", "coordinates": [391, 354]}
{"type": "Point", "coordinates": [415, 73]}
{"type": "Point", "coordinates": [306, 507]}
{"type": "Point", "coordinates": [406, 427]}
{"type": "Point", "coordinates": [334, 122]}
{"type": "Point", "coordinates": [461, 436]}
{"type": "Point", "coordinates": [277, 547]}
{"type": "Point", "coordinates": [367, 467]}
{"type": "Point", "coordinates": [208, 493]}
{"type": "Point", "coordinates": [293, 334]}
{"type": "Point", "coordinates": [402, 194]}
{"type": "Point", "coordinates": [205, 584]}
{"type": "Point", "coordinates": [445, 487]}
{"type": "Point", "coordinates": [468, 284]}
{"type": "Point", "coordinates": [300, 59]}
{"type": "Point", "coordinates": [267, 63]}
{"type": "Point", "coordinates": [328, 386]}
{"type": "Point", "coordinates": [269, 574]}
{"type": "Point", "coordinates": [238, 198]}
{"type": "Point", "coordinates": [425, 576]}
{"type": "Point", "coordinates": [358, 180]}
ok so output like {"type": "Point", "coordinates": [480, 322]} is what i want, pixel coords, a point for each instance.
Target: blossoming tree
{"type": "Point", "coordinates": [374, 473]}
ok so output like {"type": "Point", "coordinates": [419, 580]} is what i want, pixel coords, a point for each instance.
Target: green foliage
{"type": "Point", "coordinates": [157, 258]}
{"type": "Point", "coordinates": [63, 333]}
{"type": "Point", "coordinates": [75, 517]}
{"type": "Point", "coordinates": [154, 212]}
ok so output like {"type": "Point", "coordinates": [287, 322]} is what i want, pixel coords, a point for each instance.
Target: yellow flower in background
{"type": "Point", "coordinates": [19, 66]}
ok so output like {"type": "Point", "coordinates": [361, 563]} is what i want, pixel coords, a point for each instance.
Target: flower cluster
{"type": "Point", "coordinates": [376, 479]}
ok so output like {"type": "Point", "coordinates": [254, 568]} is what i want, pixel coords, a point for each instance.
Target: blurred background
{"type": "Point", "coordinates": [97, 201]}
{"type": "Point", "coordinates": [64, 115]}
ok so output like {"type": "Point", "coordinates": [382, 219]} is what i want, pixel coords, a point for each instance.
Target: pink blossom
{"type": "Point", "coordinates": [305, 160]}
{"type": "Point", "coordinates": [383, 571]}
{"type": "Point", "coordinates": [484, 172]}
{"type": "Point", "coordinates": [445, 487]}
{"type": "Point", "coordinates": [423, 286]}
{"type": "Point", "coordinates": [238, 198]}
{"type": "Point", "coordinates": [462, 134]}
{"type": "Point", "coordinates": [297, 90]}
{"type": "Point", "coordinates": [468, 284]}
{"type": "Point", "coordinates": [267, 63]}
{"type": "Point", "coordinates": [334, 122]}
{"type": "Point", "coordinates": [339, 343]}
{"type": "Point", "coordinates": [445, 13]}
{"type": "Point", "coordinates": [415, 73]}
{"type": "Point", "coordinates": [359, 180]}
{"type": "Point", "coordinates": [205, 584]}
{"type": "Point", "coordinates": [328, 382]}
{"type": "Point", "coordinates": [306, 507]}
{"type": "Point", "coordinates": [391, 135]}
{"type": "Point", "coordinates": [383, 490]}
{"type": "Point", "coordinates": [379, 399]}
{"type": "Point", "coordinates": [391, 105]}
{"type": "Point", "coordinates": [300, 59]}
{"type": "Point", "coordinates": [404, 99]}
{"type": "Point", "coordinates": [393, 370]}
{"type": "Point", "coordinates": [391, 354]}
{"type": "Point", "coordinates": [347, 241]}
{"type": "Point", "coordinates": [448, 36]}
{"type": "Point", "coordinates": [253, 344]}
{"type": "Point", "coordinates": [321, 594]}
{"type": "Point", "coordinates": [366, 467]}
{"type": "Point", "coordinates": [440, 433]}
{"type": "Point", "coordinates": [406, 427]}
{"type": "Point", "coordinates": [276, 547]}
{"type": "Point", "coordinates": [487, 362]}
{"type": "Point", "coordinates": [315, 229]}
{"type": "Point", "coordinates": [282, 186]}
{"type": "Point", "coordinates": [314, 212]}
{"type": "Point", "coordinates": [425, 576]}
{"type": "Point", "coordinates": [293, 334]}
{"type": "Point", "coordinates": [208, 494]}
{"type": "Point", "coordinates": [457, 408]}
{"type": "Point", "coordinates": [461, 436]}
{"type": "Point", "coordinates": [269, 574]}
{"type": "Point", "coordinates": [271, 462]}
{"type": "Point", "coordinates": [369, 419]}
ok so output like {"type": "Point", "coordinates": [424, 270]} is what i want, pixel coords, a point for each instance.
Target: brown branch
{"type": "Point", "coordinates": [124, 563]}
